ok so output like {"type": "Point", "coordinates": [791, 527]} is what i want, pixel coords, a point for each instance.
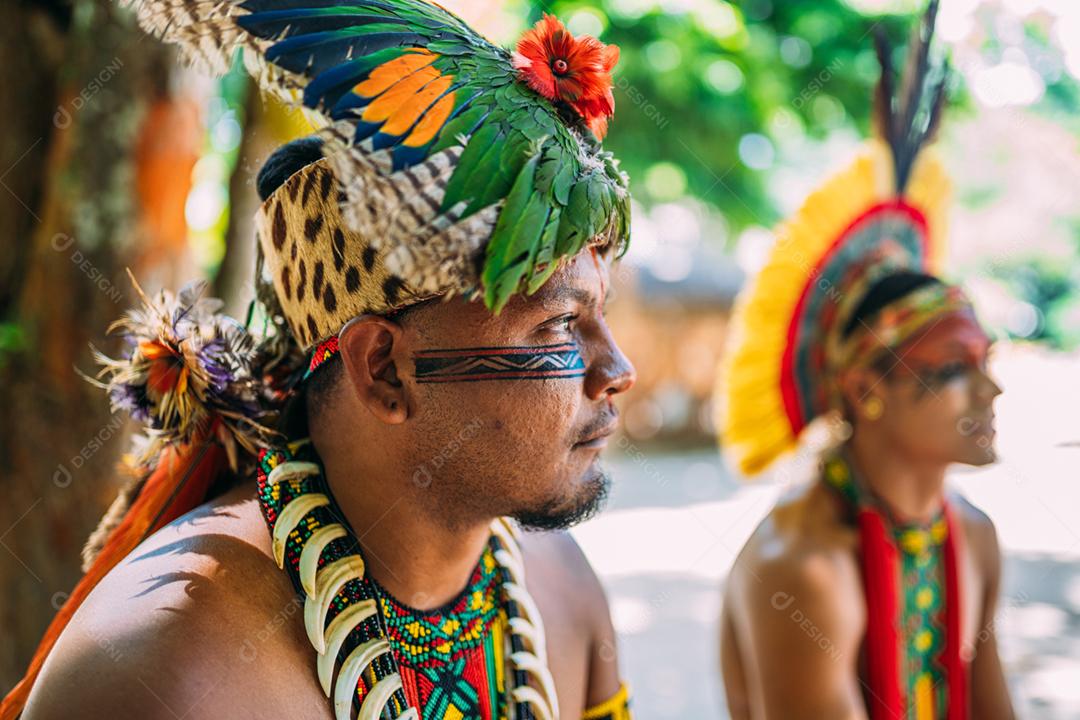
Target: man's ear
{"type": "Point", "coordinates": [857, 386]}
{"type": "Point", "coordinates": [367, 344]}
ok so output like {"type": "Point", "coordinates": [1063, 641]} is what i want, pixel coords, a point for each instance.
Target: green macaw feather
{"type": "Point", "coordinates": [514, 239]}
{"type": "Point", "coordinates": [544, 264]}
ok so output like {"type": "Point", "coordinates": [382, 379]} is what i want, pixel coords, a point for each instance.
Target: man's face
{"type": "Point", "coordinates": [938, 397]}
{"type": "Point", "coordinates": [508, 414]}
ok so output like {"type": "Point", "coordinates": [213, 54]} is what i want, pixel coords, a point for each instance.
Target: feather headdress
{"type": "Point", "coordinates": [886, 211]}
{"type": "Point", "coordinates": [471, 169]}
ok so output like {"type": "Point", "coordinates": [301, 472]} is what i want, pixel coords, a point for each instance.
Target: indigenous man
{"type": "Point", "coordinates": [871, 592]}
{"type": "Point", "coordinates": [437, 260]}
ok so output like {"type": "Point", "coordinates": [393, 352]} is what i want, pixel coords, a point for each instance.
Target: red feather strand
{"type": "Point", "coordinates": [955, 667]}
{"type": "Point", "coordinates": [177, 484]}
{"type": "Point", "coordinates": [880, 568]}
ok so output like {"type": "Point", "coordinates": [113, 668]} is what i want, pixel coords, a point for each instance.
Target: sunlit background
{"type": "Point", "coordinates": [727, 114]}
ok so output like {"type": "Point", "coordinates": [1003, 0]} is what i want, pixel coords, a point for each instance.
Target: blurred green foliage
{"type": "Point", "coordinates": [709, 93]}
{"type": "Point", "coordinates": [706, 90]}
{"type": "Point", "coordinates": [1049, 288]}
{"type": "Point", "coordinates": [12, 341]}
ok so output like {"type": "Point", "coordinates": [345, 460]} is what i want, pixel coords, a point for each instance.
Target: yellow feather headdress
{"type": "Point", "coordinates": [884, 212]}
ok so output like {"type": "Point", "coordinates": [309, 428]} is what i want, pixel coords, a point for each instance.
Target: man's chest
{"type": "Point", "coordinates": [441, 676]}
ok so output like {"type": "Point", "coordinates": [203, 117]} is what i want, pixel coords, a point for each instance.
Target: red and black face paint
{"type": "Point", "coordinates": [528, 362]}
{"type": "Point", "coordinates": [955, 348]}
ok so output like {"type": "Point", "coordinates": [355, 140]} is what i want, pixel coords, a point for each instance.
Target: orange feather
{"type": "Point", "coordinates": [403, 90]}
{"type": "Point", "coordinates": [391, 71]}
{"type": "Point", "coordinates": [432, 121]}
{"type": "Point", "coordinates": [410, 111]}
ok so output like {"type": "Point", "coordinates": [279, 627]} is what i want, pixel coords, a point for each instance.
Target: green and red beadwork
{"type": "Point", "coordinates": [912, 592]}
{"type": "Point", "coordinates": [481, 656]}
{"type": "Point", "coordinates": [451, 659]}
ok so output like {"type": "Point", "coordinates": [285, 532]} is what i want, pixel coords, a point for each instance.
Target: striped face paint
{"type": "Point", "coordinates": [529, 362]}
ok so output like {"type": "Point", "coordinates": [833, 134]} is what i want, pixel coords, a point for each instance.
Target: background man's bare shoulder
{"type": "Point", "coordinates": [981, 536]}
{"type": "Point", "coordinates": [801, 541]}
{"type": "Point", "coordinates": [196, 620]}
{"type": "Point", "coordinates": [794, 614]}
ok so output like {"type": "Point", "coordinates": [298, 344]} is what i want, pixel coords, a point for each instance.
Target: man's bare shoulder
{"type": "Point", "coordinates": [794, 600]}
{"type": "Point", "coordinates": [559, 576]}
{"type": "Point", "coordinates": [576, 616]}
{"type": "Point", "coordinates": [802, 547]}
{"type": "Point", "coordinates": [977, 524]}
{"type": "Point", "coordinates": [193, 621]}
{"type": "Point", "coordinates": [554, 559]}
{"type": "Point", "coordinates": [980, 534]}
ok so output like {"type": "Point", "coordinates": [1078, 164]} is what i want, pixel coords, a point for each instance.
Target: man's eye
{"type": "Point", "coordinates": [948, 372]}
{"type": "Point", "coordinates": [563, 323]}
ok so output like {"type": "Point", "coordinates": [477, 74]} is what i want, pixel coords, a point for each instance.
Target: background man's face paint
{"type": "Point", "coordinates": [529, 362]}
{"type": "Point", "coordinates": [954, 351]}
{"type": "Point", "coordinates": [939, 398]}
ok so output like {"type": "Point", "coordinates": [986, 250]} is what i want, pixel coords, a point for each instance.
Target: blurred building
{"type": "Point", "coordinates": [673, 328]}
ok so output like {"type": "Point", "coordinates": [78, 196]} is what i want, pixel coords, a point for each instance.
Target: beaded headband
{"type": "Point", "coordinates": [897, 323]}
{"type": "Point", "coordinates": [323, 352]}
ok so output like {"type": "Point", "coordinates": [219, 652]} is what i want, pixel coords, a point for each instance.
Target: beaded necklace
{"type": "Point", "coordinates": [912, 629]}
{"type": "Point", "coordinates": [482, 655]}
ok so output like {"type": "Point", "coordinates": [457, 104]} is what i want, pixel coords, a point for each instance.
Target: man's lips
{"type": "Point", "coordinates": [599, 438]}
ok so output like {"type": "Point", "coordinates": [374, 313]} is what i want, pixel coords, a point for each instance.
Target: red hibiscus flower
{"type": "Point", "coordinates": [576, 71]}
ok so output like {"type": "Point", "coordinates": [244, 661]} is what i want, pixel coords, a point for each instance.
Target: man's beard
{"type": "Point", "coordinates": [561, 514]}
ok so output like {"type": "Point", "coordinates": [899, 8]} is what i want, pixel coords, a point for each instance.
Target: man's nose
{"type": "Point", "coordinates": [988, 387]}
{"type": "Point", "coordinates": [610, 371]}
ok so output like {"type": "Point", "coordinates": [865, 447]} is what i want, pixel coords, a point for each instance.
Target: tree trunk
{"type": "Point", "coordinates": [78, 78]}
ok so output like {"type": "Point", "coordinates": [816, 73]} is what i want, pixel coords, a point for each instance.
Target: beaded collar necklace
{"type": "Point", "coordinates": [378, 640]}
{"type": "Point", "coordinates": [912, 588]}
